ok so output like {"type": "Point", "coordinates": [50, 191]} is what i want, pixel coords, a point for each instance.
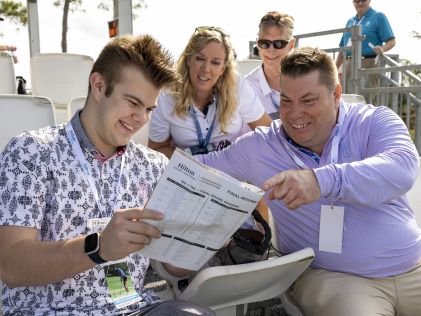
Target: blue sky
{"type": "Point", "coordinates": [173, 21]}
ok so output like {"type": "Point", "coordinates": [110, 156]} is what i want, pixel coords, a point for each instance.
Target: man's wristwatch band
{"type": "Point", "coordinates": [92, 248]}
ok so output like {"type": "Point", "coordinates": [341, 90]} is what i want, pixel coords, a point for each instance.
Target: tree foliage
{"type": "Point", "coordinates": [14, 11]}
{"type": "Point", "coordinates": [18, 13]}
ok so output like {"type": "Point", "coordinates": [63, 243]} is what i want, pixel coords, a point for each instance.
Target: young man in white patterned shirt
{"type": "Point", "coordinates": [59, 185]}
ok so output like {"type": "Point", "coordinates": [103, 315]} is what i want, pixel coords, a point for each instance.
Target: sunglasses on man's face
{"type": "Point", "coordinates": [278, 44]}
{"type": "Point", "coordinates": [358, 1]}
{"type": "Point", "coordinates": [200, 29]}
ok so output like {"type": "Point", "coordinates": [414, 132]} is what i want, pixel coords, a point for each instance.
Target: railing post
{"type": "Point", "coordinates": [417, 128]}
{"type": "Point", "coordinates": [356, 39]}
{"type": "Point", "coordinates": [396, 76]}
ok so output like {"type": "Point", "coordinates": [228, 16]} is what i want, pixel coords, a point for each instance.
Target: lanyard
{"type": "Point", "coordinates": [204, 142]}
{"type": "Point", "coordinates": [274, 103]}
{"type": "Point", "coordinates": [358, 22]}
{"type": "Point", "coordinates": [77, 150]}
{"type": "Point", "coordinates": [335, 142]}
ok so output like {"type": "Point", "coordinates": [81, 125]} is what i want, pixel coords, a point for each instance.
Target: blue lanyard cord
{"type": "Point", "coordinates": [274, 103]}
{"type": "Point", "coordinates": [204, 142]}
{"type": "Point", "coordinates": [77, 150]}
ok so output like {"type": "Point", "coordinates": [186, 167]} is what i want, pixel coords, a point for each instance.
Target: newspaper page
{"type": "Point", "coordinates": [203, 208]}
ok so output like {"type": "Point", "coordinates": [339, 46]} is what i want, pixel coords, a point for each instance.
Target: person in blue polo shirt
{"type": "Point", "coordinates": [379, 37]}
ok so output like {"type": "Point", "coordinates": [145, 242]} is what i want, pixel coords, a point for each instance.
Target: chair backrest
{"type": "Point", "coordinates": [414, 198]}
{"type": "Point", "coordinates": [224, 286]}
{"type": "Point", "coordinates": [74, 105]}
{"type": "Point", "coordinates": [142, 136]}
{"type": "Point", "coordinates": [7, 74]}
{"type": "Point", "coordinates": [60, 76]}
{"type": "Point", "coordinates": [245, 66]}
{"type": "Point", "coordinates": [353, 98]}
{"type": "Point", "coordinates": [21, 113]}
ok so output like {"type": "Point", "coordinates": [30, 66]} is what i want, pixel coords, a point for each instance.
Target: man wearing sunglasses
{"type": "Point", "coordinates": [379, 38]}
{"type": "Point", "coordinates": [274, 41]}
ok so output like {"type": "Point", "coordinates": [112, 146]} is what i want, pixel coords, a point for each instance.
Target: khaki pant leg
{"type": "Point", "coordinates": [320, 292]}
{"type": "Point", "coordinates": [372, 81]}
{"type": "Point", "coordinates": [408, 286]}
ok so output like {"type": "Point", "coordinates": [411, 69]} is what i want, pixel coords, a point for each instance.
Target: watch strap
{"type": "Point", "coordinates": [95, 257]}
{"type": "Point", "coordinates": [92, 250]}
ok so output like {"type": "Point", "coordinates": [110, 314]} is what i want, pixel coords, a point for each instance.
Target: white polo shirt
{"type": "Point", "coordinates": [268, 96]}
{"type": "Point", "coordinates": [182, 130]}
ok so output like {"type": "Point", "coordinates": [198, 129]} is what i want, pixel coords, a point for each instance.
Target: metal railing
{"type": "Point", "coordinates": [399, 87]}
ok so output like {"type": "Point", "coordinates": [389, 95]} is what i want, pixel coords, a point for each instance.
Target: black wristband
{"type": "Point", "coordinates": [92, 248]}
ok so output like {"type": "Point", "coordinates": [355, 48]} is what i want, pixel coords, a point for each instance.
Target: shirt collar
{"type": "Point", "coordinates": [264, 86]}
{"type": "Point", "coordinates": [367, 14]}
{"type": "Point", "coordinates": [85, 142]}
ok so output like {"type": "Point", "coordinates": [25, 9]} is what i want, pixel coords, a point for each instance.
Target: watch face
{"type": "Point", "coordinates": [91, 243]}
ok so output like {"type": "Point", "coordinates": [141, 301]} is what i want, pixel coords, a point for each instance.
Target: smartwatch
{"type": "Point", "coordinates": [92, 248]}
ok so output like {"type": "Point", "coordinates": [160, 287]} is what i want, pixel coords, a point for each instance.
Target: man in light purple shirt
{"type": "Point", "coordinates": [336, 175]}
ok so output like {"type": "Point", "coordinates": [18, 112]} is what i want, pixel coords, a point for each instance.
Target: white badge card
{"type": "Point", "coordinates": [97, 224]}
{"type": "Point", "coordinates": [331, 228]}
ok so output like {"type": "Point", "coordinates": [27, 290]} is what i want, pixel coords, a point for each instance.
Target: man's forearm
{"type": "Point", "coordinates": [32, 262]}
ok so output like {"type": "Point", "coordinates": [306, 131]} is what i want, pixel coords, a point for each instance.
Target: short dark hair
{"type": "Point", "coordinates": [278, 19]}
{"type": "Point", "coordinates": [304, 60]}
{"type": "Point", "coordinates": [143, 52]}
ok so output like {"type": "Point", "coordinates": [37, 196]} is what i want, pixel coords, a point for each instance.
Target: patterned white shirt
{"type": "Point", "coordinates": [42, 186]}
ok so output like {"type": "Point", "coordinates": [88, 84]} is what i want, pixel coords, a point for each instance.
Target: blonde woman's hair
{"type": "Point", "coordinates": [225, 87]}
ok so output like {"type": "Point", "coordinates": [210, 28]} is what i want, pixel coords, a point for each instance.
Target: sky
{"type": "Point", "coordinates": [173, 21]}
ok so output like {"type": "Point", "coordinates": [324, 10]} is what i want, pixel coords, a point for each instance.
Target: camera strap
{"type": "Point", "coordinates": [248, 245]}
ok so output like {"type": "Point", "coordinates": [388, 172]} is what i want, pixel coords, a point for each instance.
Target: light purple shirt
{"type": "Point", "coordinates": [377, 164]}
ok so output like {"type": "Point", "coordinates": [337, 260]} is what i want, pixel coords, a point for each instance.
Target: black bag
{"type": "Point", "coordinates": [246, 245]}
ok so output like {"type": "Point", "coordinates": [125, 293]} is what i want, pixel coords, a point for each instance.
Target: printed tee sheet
{"type": "Point", "coordinates": [203, 208]}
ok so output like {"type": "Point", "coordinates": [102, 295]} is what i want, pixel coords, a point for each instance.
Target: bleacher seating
{"type": "Point", "coordinates": [61, 77]}
{"type": "Point", "coordinates": [21, 113]}
{"type": "Point", "coordinates": [245, 66]}
{"type": "Point", "coordinates": [353, 98]}
{"type": "Point", "coordinates": [74, 105]}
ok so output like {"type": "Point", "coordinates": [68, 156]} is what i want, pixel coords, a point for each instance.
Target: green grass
{"type": "Point", "coordinates": [116, 286]}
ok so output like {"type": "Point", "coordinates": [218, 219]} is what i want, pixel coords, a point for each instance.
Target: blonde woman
{"type": "Point", "coordinates": [207, 110]}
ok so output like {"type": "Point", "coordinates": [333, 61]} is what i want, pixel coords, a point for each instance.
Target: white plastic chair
{"type": "Point", "coordinates": [7, 74]}
{"type": "Point", "coordinates": [353, 98]}
{"type": "Point", "coordinates": [245, 66]}
{"type": "Point", "coordinates": [228, 289]}
{"type": "Point", "coordinates": [21, 113]}
{"type": "Point", "coordinates": [61, 77]}
{"type": "Point", "coordinates": [141, 136]}
{"type": "Point", "coordinates": [74, 105]}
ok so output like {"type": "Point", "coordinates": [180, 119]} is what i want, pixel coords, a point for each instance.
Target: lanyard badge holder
{"type": "Point", "coordinates": [204, 146]}
{"type": "Point", "coordinates": [119, 282]}
{"type": "Point", "coordinates": [331, 216]}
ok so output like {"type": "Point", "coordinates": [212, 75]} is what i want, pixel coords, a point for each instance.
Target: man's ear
{"type": "Point", "coordinates": [97, 84]}
{"type": "Point", "coordinates": [337, 92]}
